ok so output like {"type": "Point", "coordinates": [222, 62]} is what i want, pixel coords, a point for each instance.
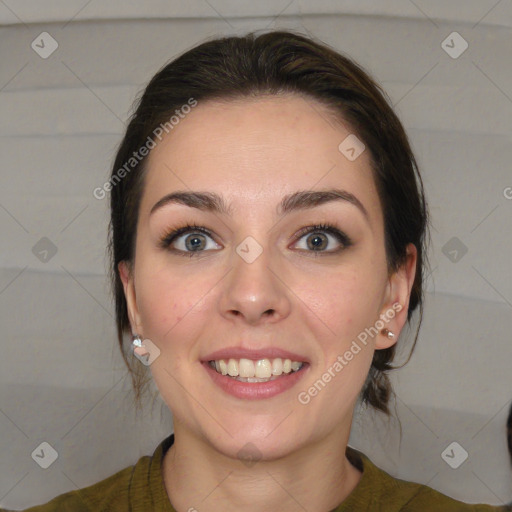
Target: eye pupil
{"type": "Point", "coordinates": [315, 242]}
{"type": "Point", "coordinates": [193, 243]}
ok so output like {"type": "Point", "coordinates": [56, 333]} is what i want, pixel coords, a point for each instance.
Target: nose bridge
{"type": "Point", "coordinates": [253, 289]}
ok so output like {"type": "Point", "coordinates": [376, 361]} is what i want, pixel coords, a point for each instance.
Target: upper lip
{"type": "Point", "coordinates": [262, 353]}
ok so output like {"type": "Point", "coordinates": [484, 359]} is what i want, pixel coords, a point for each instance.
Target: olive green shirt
{"type": "Point", "coordinates": [140, 488]}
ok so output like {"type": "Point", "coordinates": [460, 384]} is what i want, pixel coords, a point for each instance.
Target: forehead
{"type": "Point", "coordinates": [254, 151]}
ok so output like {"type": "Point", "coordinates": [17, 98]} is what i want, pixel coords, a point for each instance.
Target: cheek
{"type": "Point", "coordinates": [159, 303]}
{"type": "Point", "coordinates": [171, 305]}
{"type": "Point", "coordinates": [346, 302]}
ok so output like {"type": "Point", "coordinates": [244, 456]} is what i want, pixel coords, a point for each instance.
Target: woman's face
{"type": "Point", "coordinates": [253, 286]}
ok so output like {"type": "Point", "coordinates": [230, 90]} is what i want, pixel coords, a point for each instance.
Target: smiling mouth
{"type": "Point", "coordinates": [261, 370]}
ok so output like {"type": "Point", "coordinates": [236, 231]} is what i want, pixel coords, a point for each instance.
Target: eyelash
{"type": "Point", "coordinates": [340, 236]}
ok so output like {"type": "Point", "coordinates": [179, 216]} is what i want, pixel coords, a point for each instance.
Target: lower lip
{"type": "Point", "coordinates": [255, 390]}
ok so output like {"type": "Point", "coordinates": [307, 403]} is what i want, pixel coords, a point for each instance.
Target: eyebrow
{"type": "Point", "coordinates": [300, 200]}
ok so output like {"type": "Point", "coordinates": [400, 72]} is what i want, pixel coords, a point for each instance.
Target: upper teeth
{"type": "Point", "coordinates": [262, 368]}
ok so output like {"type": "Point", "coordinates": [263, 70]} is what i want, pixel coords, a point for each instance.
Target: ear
{"type": "Point", "coordinates": [396, 303]}
{"type": "Point", "coordinates": [127, 277]}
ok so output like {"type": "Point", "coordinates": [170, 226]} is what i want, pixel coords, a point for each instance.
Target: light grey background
{"type": "Point", "coordinates": [62, 379]}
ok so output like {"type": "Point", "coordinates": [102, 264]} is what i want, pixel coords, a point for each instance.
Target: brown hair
{"type": "Point", "coordinates": [274, 63]}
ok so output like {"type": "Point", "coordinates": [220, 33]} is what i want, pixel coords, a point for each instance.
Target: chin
{"type": "Point", "coordinates": [252, 443]}
{"type": "Point", "coordinates": [256, 449]}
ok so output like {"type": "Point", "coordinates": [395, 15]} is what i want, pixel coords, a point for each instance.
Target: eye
{"type": "Point", "coordinates": [319, 237]}
{"type": "Point", "coordinates": [188, 240]}
{"type": "Point", "coordinates": [191, 240]}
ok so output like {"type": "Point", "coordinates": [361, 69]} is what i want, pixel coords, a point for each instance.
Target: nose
{"type": "Point", "coordinates": [254, 292]}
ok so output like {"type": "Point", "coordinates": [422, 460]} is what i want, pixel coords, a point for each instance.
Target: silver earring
{"type": "Point", "coordinates": [136, 341]}
{"type": "Point", "coordinates": [388, 333]}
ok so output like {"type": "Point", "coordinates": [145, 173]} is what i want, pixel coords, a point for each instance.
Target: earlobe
{"type": "Point", "coordinates": [126, 275]}
{"type": "Point", "coordinates": [396, 304]}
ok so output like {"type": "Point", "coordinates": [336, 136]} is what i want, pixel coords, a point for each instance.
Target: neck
{"type": "Point", "coordinates": [316, 478]}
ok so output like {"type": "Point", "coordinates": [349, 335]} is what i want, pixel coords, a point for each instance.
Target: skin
{"type": "Point", "coordinates": [191, 306]}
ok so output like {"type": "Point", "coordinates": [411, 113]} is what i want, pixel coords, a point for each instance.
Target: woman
{"type": "Point", "coordinates": [268, 230]}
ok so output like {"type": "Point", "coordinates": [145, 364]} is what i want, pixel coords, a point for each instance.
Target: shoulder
{"type": "Point", "coordinates": [138, 487]}
{"type": "Point", "coordinates": [99, 497]}
{"type": "Point", "coordinates": [378, 490]}
{"type": "Point", "coordinates": [426, 498]}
